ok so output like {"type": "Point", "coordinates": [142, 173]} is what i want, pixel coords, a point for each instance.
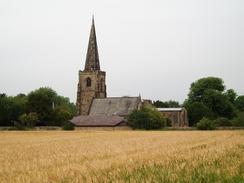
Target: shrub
{"type": "Point", "coordinates": [205, 124]}
{"type": "Point", "coordinates": [239, 120]}
{"type": "Point", "coordinates": [28, 120]}
{"type": "Point", "coordinates": [61, 115]}
{"type": "Point", "coordinates": [221, 121]}
{"type": "Point", "coordinates": [146, 118]}
{"type": "Point", "coordinates": [68, 126]}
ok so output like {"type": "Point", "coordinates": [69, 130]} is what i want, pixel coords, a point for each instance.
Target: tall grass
{"type": "Point", "coordinates": [122, 156]}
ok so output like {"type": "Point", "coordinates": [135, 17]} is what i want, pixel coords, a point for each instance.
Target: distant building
{"type": "Point", "coordinates": [93, 107]}
{"type": "Point", "coordinates": [177, 116]}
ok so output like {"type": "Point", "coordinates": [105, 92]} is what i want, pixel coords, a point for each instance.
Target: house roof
{"type": "Point", "coordinates": [97, 121]}
{"type": "Point", "coordinates": [120, 106]}
{"type": "Point", "coordinates": [169, 109]}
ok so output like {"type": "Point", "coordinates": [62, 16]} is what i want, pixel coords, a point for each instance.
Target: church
{"type": "Point", "coordinates": [95, 109]}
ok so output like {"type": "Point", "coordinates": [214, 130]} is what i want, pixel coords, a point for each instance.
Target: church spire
{"type": "Point", "coordinates": [92, 58]}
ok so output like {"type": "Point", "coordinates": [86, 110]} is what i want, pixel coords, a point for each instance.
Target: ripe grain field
{"type": "Point", "coordinates": [122, 156]}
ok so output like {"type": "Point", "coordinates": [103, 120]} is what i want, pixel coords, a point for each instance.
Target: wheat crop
{"type": "Point", "coordinates": [122, 156]}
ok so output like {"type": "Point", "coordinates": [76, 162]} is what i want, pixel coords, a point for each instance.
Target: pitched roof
{"type": "Point", "coordinates": [114, 106]}
{"type": "Point", "coordinates": [97, 121]}
{"type": "Point", "coordinates": [92, 58]}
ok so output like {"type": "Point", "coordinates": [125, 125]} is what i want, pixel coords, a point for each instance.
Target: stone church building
{"type": "Point", "coordinates": [94, 108]}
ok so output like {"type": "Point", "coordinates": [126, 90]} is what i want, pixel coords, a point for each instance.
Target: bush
{"type": "Point", "coordinates": [146, 118]}
{"type": "Point", "coordinates": [205, 124]}
{"type": "Point", "coordinates": [68, 126]}
{"type": "Point", "coordinates": [61, 115]}
{"type": "Point", "coordinates": [239, 120]}
{"type": "Point", "coordinates": [28, 120]}
{"type": "Point", "coordinates": [221, 121]}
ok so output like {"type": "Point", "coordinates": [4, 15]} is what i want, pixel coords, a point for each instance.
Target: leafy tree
{"type": "Point", "coordinates": [208, 99]}
{"type": "Point", "coordinates": [200, 86]}
{"type": "Point", "coordinates": [231, 95]}
{"type": "Point", "coordinates": [239, 120]}
{"type": "Point", "coordinates": [61, 115]}
{"type": "Point", "coordinates": [196, 111]}
{"type": "Point", "coordinates": [5, 111]}
{"type": "Point", "coordinates": [239, 103]}
{"type": "Point", "coordinates": [28, 120]}
{"type": "Point", "coordinates": [221, 121]}
{"type": "Point", "coordinates": [41, 101]}
{"type": "Point", "coordinates": [11, 108]}
{"type": "Point", "coordinates": [170, 103]}
{"type": "Point", "coordinates": [68, 126]}
{"type": "Point", "coordinates": [146, 118]}
{"type": "Point", "coordinates": [205, 124]}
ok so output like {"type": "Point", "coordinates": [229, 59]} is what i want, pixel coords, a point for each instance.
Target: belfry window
{"type": "Point", "coordinates": [88, 82]}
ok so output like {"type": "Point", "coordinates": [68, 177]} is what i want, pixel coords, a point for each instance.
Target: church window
{"type": "Point", "coordinates": [88, 82]}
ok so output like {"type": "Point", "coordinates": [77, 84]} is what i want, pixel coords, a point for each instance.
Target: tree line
{"type": "Point", "coordinates": [209, 100]}
{"type": "Point", "coordinates": [41, 107]}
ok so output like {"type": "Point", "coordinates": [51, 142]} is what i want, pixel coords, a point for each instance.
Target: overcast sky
{"type": "Point", "coordinates": [156, 47]}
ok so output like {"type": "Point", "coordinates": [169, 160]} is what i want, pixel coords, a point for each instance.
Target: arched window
{"type": "Point", "coordinates": [88, 82]}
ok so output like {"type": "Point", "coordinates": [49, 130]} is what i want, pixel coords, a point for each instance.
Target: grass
{"type": "Point", "coordinates": [122, 156]}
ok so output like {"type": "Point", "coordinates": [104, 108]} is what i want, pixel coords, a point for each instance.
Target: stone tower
{"type": "Point", "coordinates": [91, 80]}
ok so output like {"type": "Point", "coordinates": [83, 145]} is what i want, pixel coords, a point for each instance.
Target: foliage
{"type": "Point", "coordinates": [11, 108]}
{"type": "Point", "coordinates": [68, 126]}
{"type": "Point", "coordinates": [51, 108]}
{"type": "Point", "coordinates": [28, 120]}
{"type": "Point", "coordinates": [170, 103]}
{"type": "Point", "coordinates": [61, 115]}
{"type": "Point", "coordinates": [196, 111]}
{"type": "Point", "coordinates": [221, 121]}
{"type": "Point", "coordinates": [239, 120]}
{"type": "Point", "coordinates": [41, 101]}
{"type": "Point", "coordinates": [200, 86]}
{"type": "Point", "coordinates": [205, 124]}
{"type": "Point", "coordinates": [239, 103]}
{"type": "Point", "coordinates": [208, 99]}
{"type": "Point", "coordinates": [231, 95]}
{"type": "Point", "coordinates": [146, 118]}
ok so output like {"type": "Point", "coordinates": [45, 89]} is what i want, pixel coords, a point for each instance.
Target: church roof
{"type": "Point", "coordinates": [121, 106]}
{"type": "Point", "coordinates": [92, 58]}
{"type": "Point", "coordinates": [97, 121]}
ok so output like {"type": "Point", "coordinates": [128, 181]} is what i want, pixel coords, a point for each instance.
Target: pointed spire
{"type": "Point", "coordinates": [92, 58]}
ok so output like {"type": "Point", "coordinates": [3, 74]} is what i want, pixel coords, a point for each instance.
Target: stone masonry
{"type": "Point", "coordinates": [91, 80]}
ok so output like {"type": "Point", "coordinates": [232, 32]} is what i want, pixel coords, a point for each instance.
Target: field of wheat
{"type": "Point", "coordinates": [122, 156]}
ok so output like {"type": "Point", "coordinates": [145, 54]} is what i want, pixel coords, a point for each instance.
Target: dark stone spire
{"type": "Point", "coordinates": [92, 58]}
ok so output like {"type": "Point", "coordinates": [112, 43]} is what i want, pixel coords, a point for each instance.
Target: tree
{"type": "Point", "coordinates": [41, 101]}
{"type": "Point", "coordinates": [11, 108]}
{"type": "Point", "coordinates": [208, 99]}
{"type": "Point", "coordinates": [231, 95]}
{"type": "Point", "coordinates": [200, 86]}
{"type": "Point", "coordinates": [205, 124]}
{"type": "Point", "coordinates": [196, 111]}
{"type": "Point", "coordinates": [239, 103]}
{"type": "Point", "coordinates": [28, 120]}
{"type": "Point", "coordinates": [167, 104]}
{"type": "Point", "coordinates": [61, 115]}
{"type": "Point", "coordinates": [146, 118]}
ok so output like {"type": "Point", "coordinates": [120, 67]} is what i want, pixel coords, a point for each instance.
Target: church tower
{"type": "Point", "coordinates": [91, 80]}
